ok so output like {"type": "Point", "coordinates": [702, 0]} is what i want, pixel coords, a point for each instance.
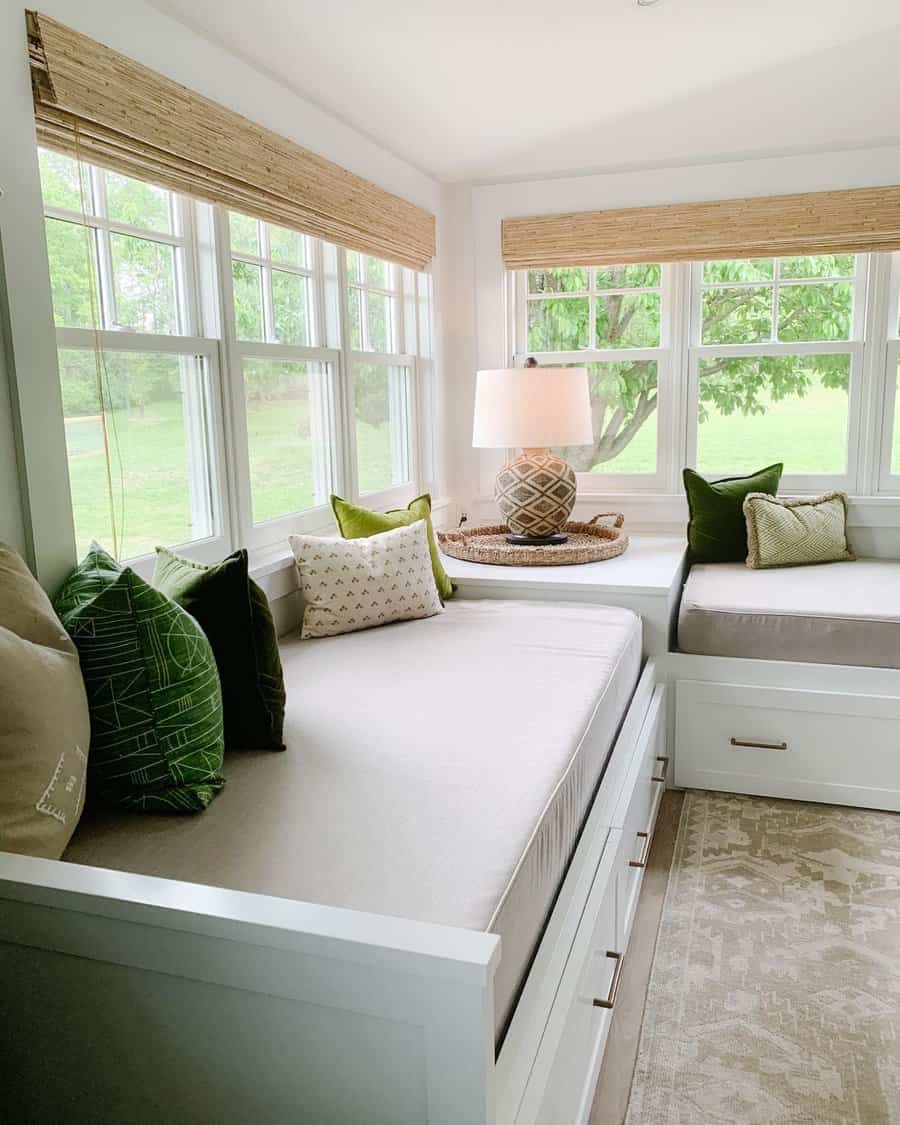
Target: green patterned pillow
{"type": "Point", "coordinates": [152, 687]}
{"type": "Point", "coordinates": [796, 532]}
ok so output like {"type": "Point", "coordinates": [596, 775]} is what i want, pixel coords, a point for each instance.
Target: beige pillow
{"type": "Point", "coordinates": [796, 532]}
{"type": "Point", "coordinates": [44, 726]}
{"type": "Point", "coordinates": [351, 584]}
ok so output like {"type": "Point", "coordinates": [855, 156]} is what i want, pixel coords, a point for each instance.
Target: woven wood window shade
{"type": "Point", "coordinates": [92, 102]}
{"type": "Point", "coordinates": [827, 222]}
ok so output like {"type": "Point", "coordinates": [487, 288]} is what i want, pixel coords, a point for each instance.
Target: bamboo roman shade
{"type": "Point", "coordinates": [92, 102]}
{"type": "Point", "coordinates": [827, 222]}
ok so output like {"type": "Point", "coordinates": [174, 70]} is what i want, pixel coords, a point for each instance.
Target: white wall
{"type": "Point", "coordinates": [491, 203]}
{"type": "Point", "coordinates": [12, 525]}
{"type": "Point", "coordinates": [156, 40]}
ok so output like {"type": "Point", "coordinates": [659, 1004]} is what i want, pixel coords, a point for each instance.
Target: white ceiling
{"type": "Point", "coordinates": [492, 89]}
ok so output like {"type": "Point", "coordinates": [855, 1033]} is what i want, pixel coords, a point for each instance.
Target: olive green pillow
{"type": "Point", "coordinates": [234, 614]}
{"type": "Point", "coordinates": [152, 689]}
{"type": "Point", "coordinates": [717, 531]}
{"type": "Point", "coordinates": [359, 523]}
{"type": "Point", "coordinates": [796, 532]}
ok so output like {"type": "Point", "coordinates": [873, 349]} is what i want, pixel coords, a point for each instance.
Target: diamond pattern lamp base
{"type": "Point", "coordinates": [536, 494]}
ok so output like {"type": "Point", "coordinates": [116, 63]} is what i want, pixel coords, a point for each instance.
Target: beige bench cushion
{"type": "Point", "coordinates": [820, 614]}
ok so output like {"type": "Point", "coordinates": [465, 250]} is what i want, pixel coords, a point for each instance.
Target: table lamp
{"type": "Point", "coordinates": [533, 408]}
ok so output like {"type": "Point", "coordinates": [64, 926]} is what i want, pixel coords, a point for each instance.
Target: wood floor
{"type": "Point", "coordinates": [611, 1101]}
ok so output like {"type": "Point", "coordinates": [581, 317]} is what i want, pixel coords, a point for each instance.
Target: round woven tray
{"type": "Point", "coordinates": [587, 542]}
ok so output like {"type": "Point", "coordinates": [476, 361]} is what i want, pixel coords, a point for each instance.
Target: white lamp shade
{"type": "Point", "coordinates": [532, 408]}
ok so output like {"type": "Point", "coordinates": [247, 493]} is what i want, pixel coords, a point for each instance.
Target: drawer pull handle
{"type": "Point", "coordinates": [759, 745]}
{"type": "Point", "coordinates": [610, 999]}
{"type": "Point", "coordinates": [647, 837]}
{"type": "Point", "coordinates": [665, 768]}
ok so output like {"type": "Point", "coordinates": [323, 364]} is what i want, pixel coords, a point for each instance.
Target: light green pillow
{"type": "Point", "coordinates": [796, 532]}
{"type": "Point", "coordinates": [152, 687]}
{"type": "Point", "coordinates": [359, 523]}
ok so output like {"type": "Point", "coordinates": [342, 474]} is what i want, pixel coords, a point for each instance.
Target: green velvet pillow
{"type": "Point", "coordinates": [717, 530]}
{"type": "Point", "coordinates": [152, 688]}
{"type": "Point", "coordinates": [359, 523]}
{"type": "Point", "coordinates": [234, 614]}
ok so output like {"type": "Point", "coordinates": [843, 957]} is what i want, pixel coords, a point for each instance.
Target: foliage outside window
{"type": "Point", "coordinates": [612, 317]}
{"type": "Point", "coordinates": [774, 362]}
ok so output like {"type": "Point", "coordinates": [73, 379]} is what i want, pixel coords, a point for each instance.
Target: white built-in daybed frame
{"type": "Point", "coordinates": [236, 1007]}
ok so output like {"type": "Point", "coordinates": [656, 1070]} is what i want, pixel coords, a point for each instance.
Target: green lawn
{"type": "Point", "coordinates": [154, 454]}
{"type": "Point", "coordinates": [808, 434]}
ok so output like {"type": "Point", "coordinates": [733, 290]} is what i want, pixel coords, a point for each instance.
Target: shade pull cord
{"type": "Point", "coordinates": [104, 391]}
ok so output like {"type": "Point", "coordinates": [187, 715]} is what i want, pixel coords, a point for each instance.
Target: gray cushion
{"type": "Point", "coordinates": [820, 614]}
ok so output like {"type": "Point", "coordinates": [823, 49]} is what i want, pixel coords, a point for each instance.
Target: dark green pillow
{"type": "Point", "coordinates": [717, 530]}
{"type": "Point", "coordinates": [152, 688]}
{"type": "Point", "coordinates": [360, 523]}
{"type": "Point", "coordinates": [234, 614]}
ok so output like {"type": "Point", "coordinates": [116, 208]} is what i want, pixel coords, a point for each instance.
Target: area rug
{"type": "Point", "coordinates": [774, 997]}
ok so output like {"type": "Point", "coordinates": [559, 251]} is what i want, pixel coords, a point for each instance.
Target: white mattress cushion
{"type": "Point", "coordinates": [423, 759]}
{"type": "Point", "coordinates": [831, 613]}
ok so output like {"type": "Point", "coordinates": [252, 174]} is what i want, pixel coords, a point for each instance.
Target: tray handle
{"type": "Point", "coordinates": [619, 520]}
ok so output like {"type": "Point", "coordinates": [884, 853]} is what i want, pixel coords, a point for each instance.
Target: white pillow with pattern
{"type": "Point", "coordinates": [351, 584]}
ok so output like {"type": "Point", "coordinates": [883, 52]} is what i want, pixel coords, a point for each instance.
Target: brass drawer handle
{"type": "Point", "coordinates": [759, 745]}
{"type": "Point", "coordinates": [619, 959]}
{"type": "Point", "coordinates": [647, 837]}
{"type": "Point", "coordinates": [665, 768]}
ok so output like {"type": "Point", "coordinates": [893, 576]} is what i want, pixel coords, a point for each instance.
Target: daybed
{"type": "Point", "coordinates": [787, 682]}
{"type": "Point", "coordinates": [435, 770]}
{"type": "Point", "coordinates": [495, 770]}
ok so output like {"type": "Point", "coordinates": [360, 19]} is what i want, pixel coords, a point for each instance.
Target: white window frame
{"type": "Point", "coordinates": [663, 355]}
{"type": "Point", "coordinates": [889, 481]}
{"type": "Point", "coordinates": [854, 348]}
{"type": "Point", "coordinates": [207, 479]}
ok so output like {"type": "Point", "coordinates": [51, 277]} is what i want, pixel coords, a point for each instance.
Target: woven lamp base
{"type": "Point", "coordinates": [536, 494]}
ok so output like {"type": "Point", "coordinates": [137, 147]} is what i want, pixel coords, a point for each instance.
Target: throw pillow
{"type": "Point", "coordinates": [796, 532]}
{"type": "Point", "coordinates": [350, 584]}
{"type": "Point", "coordinates": [234, 614]}
{"type": "Point", "coordinates": [152, 686]}
{"type": "Point", "coordinates": [359, 523]}
{"type": "Point", "coordinates": [717, 531]}
{"type": "Point", "coordinates": [44, 725]}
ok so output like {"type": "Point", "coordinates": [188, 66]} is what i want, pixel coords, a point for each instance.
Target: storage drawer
{"type": "Point", "coordinates": [563, 1079]}
{"type": "Point", "coordinates": [785, 742]}
{"type": "Point", "coordinates": [637, 810]}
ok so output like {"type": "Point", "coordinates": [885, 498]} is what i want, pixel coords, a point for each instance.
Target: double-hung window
{"type": "Point", "coordinates": [616, 322]}
{"type": "Point", "coordinates": [381, 327]}
{"type": "Point", "coordinates": [284, 349]}
{"type": "Point", "coordinates": [140, 385]}
{"type": "Point", "coordinates": [775, 367]}
{"type": "Point", "coordinates": [221, 375]}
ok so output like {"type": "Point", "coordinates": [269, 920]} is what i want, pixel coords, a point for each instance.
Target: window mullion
{"type": "Point", "coordinates": [345, 411]}
{"type": "Point", "coordinates": [107, 293]}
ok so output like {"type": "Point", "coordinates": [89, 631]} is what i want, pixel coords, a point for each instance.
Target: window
{"type": "Point", "coordinates": [727, 366]}
{"type": "Point", "coordinates": [139, 413]}
{"type": "Point", "coordinates": [775, 361]}
{"type": "Point", "coordinates": [325, 369]}
{"type": "Point", "coordinates": [382, 310]}
{"type": "Point", "coordinates": [613, 320]}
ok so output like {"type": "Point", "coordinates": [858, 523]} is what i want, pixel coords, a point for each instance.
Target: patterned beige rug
{"type": "Point", "coordinates": [775, 992]}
